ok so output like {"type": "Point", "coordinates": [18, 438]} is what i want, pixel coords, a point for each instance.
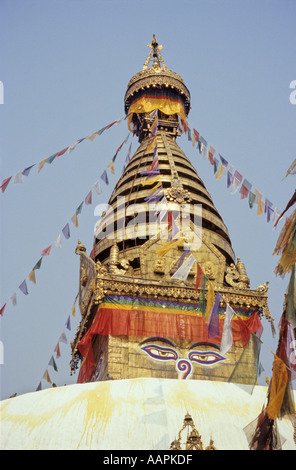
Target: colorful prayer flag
{"type": "Point", "coordinates": [111, 167]}
{"type": "Point", "coordinates": [88, 199]}
{"type": "Point", "coordinates": [5, 184]}
{"type": "Point", "coordinates": [63, 338]}
{"type": "Point", "coordinates": [23, 288]}
{"type": "Point", "coordinates": [199, 277]}
{"type": "Point", "coordinates": [74, 219]}
{"type": "Point", "coordinates": [236, 181]}
{"type": "Point", "coordinates": [13, 298]}
{"type": "Point", "coordinates": [195, 137]}
{"type": "Point", "coordinates": [184, 269]}
{"type": "Point", "coordinates": [227, 338]}
{"type": "Point", "coordinates": [72, 147]}
{"type": "Point", "coordinates": [58, 241]}
{"type": "Point", "coordinates": [104, 177]}
{"type": "Point", "coordinates": [41, 164]}
{"type": "Point", "coordinates": [19, 177]}
{"type": "Point", "coordinates": [92, 136]}
{"type": "Point", "coordinates": [210, 300]}
{"type": "Point", "coordinates": [291, 300]}
{"type": "Point", "coordinates": [291, 169]}
{"type": "Point", "coordinates": [62, 152]}
{"type": "Point", "coordinates": [68, 324]}
{"type": "Point", "coordinates": [97, 187]}
{"type": "Point", "coordinates": [2, 309]}
{"type": "Point", "coordinates": [57, 350]}
{"type": "Point", "coordinates": [213, 321]}
{"type": "Point", "coordinates": [27, 170]}
{"type": "Point", "coordinates": [46, 251]}
{"type": "Point", "coordinates": [278, 386]}
{"type": "Point", "coordinates": [73, 310]}
{"type": "Point", "coordinates": [212, 152]}
{"type": "Point", "coordinates": [38, 264]}
{"type": "Point", "coordinates": [53, 363]}
{"type": "Point", "coordinates": [66, 231]}
{"type": "Point", "coordinates": [46, 377]}
{"type": "Point", "coordinates": [32, 276]}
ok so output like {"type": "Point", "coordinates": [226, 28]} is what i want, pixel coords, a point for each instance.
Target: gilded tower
{"type": "Point", "coordinates": [161, 254]}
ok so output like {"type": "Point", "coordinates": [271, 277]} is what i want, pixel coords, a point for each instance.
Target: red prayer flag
{"type": "Point", "coordinates": [290, 203]}
{"type": "Point", "coordinates": [253, 325]}
{"type": "Point", "coordinates": [57, 350]}
{"type": "Point", "coordinates": [46, 251]}
{"type": "Point", "coordinates": [62, 152]}
{"type": "Point", "coordinates": [244, 191]}
{"type": "Point", "coordinates": [5, 184]}
{"type": "Point", "coordinates": [199, 277]}
{"type": "Point", "coordinates": [88, 199]}
{"type": "Point", "coordinates": [2, 309]}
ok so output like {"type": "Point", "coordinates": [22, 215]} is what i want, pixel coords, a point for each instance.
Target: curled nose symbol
{"type": "Point", "coordinates": [185, 368]}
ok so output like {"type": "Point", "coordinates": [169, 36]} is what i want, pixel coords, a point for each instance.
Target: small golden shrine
{"type": "Point", "coordinates": [193, 438]}
{"type": "Point", "coordinates": [139, 316]}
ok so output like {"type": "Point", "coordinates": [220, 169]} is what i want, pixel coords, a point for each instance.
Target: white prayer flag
{"type": "Point", "coordinates": [19, 177]}
{"type": "Point", "coordinates": [184, 270]}
{"type": "Point", "coordinates": [58, 241]}
{"type": "Point", "coordinates": [227, 339]}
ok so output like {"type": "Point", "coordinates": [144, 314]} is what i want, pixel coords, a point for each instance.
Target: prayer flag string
{"type": "Point", "coordinates": [19, 177]}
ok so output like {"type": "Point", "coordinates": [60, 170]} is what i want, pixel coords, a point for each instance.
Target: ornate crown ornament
{"type": "Point", "coordinates": [157, 76]}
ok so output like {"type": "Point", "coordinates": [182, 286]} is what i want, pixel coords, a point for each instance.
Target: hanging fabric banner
{"type": "Point", "coordinates": [236, 181]}
{"type": "Point", "coordinates": [46, 251]}
{"type": "Point", "coordinates": [184, 270]}
{"type": "Point", "coordinates": [23, 287]}
{"type": "Point", "coordinates": [213, 321]}
{"type": "Point", "coordinates": [66, 231]}
{"type": "Point", "coordinates": [227, 338]}
{"type": "Point", "coordinates": [212, 152]}
{"type": "Point", "coordinates": [104, 177]}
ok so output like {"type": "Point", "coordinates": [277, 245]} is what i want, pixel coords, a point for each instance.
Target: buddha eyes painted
{"type": "Point", "coordinates": [157, 352]}
{"type": "Point", "coordinates": [205, 358]}
{"type": "Point", "coordinates": [201, 357]}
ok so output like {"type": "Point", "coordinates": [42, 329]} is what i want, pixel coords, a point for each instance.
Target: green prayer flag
{"type": "Point", "coordinates": [248, 367]}
{"type": "Point", "coordinates": [203, 305]}
{"type": "Point", "coordinates": [252, 198]}
{"type": "Point", "coordinates": [38, 264]}
{"type": "Point", "coordinates": [291, 300]}
{"type": "Point", "coordinates": [53, 363]}
{"type": "Point", "coordinates": [79, 208]}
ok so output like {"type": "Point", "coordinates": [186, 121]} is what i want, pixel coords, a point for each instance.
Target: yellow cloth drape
{"type": "Point", "coordinates": [169, 245]}
{"type": "Point", "coordinates": [277, 388]}
{"type": "Point", "coordinates": [210, 300]}
{"type": "Point", "coordinates": [148, 103]}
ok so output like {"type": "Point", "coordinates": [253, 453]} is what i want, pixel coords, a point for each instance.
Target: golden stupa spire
{"type": "Point", "coordinates": [155, 51]}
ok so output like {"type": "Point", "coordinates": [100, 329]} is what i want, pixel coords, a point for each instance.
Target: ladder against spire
{"type": "Point", "coordinates": [140, 316]}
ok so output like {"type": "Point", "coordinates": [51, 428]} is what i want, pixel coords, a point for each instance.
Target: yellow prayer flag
{"type": "Point", "coordinates": [111, 166]}
{"type": "Point", "coordinates": [74, 220]}
{"type": "Point", "coordinates": [169, 245]}
{"type": "Point", "coordinates": [152, 180]}
{"type": "Point", "coordinates": [46, 377]}
{"type": "Point", "coordinates": [32, 276]}
{"type": "Point", "coordinates": [73, 311]}
{"type": "Point", "coordinates": [152, 144]}
{"type": "Point", "coordinates": [210, 300]}
{"type": "Point", "coordinates": [92, 136]}
{"type": "Point", "coordinates": [261, 205]}
{"type": "Point", "coordinates": [41, 164]}
{"type": "Point", "coordinates": [277, 388]}
{"type": "Point", "coordinates": [155, 187]}
{"type": "Point", "coordinates": [220, 171]}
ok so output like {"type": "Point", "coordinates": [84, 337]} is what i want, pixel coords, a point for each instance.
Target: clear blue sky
{"type": "Point", "coordinates": [65, 66]}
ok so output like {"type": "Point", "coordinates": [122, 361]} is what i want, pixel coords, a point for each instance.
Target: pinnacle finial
{"type": "Point", "coordinates": [158, 62]}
